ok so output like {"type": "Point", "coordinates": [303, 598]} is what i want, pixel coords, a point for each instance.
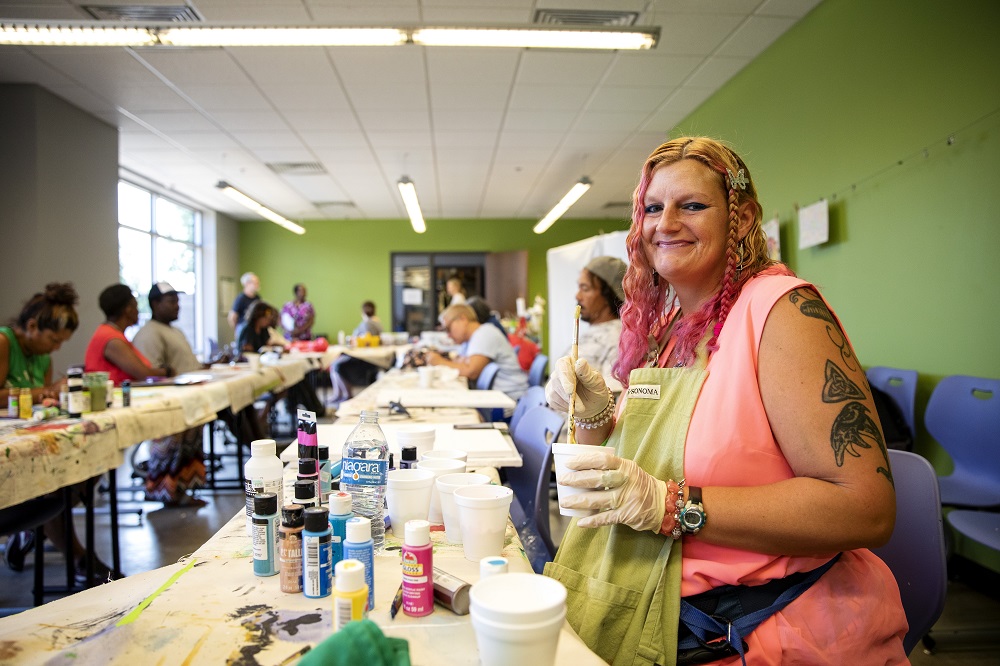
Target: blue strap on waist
{"type": "Point", "coordinates": [729, 619]}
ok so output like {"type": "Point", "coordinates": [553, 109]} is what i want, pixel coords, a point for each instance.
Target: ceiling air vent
{"type": "Point", "coordinates": [590, 17]}
{"type": "Point", "coordinates": [297, 168]}
{"type": "Point", "coordinates": [144, 13]}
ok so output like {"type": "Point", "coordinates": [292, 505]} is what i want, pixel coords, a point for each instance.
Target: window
{"type": "Point", "coordinates": [161, 240]}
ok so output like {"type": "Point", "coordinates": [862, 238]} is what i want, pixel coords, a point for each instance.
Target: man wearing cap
{"type": "Point", "coordinates": [164, 345]}
{"type": "Point", "coordinates": [600, 296]}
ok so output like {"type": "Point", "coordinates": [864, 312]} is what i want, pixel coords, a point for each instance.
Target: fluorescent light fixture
{"type": "Point", "coordinates": [208, 36]}
{"type": "Point", "coordinates": [537, 38]}
{"type": "Point", "coordinates": [263, 211]}
{"type": "Point", "coordinates": [167, 34]}
{"type": "Point", "coordinates": [408, 191]}
{"type": "Point", "coordinates": [560, 208]}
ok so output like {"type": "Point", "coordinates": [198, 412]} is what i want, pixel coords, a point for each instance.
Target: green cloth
{"type": "Point", "coordinates": [359, 643]}
{"type": "Point", "coordinates": [23, 371]}
{"type": "Point", "coordinates": [623, 586]}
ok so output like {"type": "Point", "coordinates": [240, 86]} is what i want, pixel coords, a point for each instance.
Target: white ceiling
{"type": "Point", "coordinates": [484, 133]}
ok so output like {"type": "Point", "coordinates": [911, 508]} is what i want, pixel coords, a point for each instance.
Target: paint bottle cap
{"type": "Point", "coordinates": [263, 447]}
{"type": "Point", "coordinates": [307, 466]}
{"type": "Point", "coordinates": [340, 503]}
{"type": "Point", "coordinates": [291, 515]}
{"type": "Point", "coordinates": [305, 489]}
{"type": "Point", "coordinates": [359, 529]}
{"type": "Point", "coordinates": [324, 452]}
{"type": "Point", "coordinates": [408, 452]}
{"type": "Point", "coordinates": [418, 533]}
{"type": "Point", "coordinates": [316, 519]}
{"type": "Point", "coordinates": [491, 565]}
{"type": "Point", "coordinates": [350, 575]}
{"type": "Point", "coordinates": [308, 451]}
{"type": "Point", "coordinates": [265, 504]}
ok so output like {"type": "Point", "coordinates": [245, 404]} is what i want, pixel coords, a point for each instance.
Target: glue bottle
{"type": "Point", "coordinates": [317, 576]}
{"type": "Point", "coordinates": [418, 569]}
{"type": "Point", "coordinates": [359, 546]}
{"type": "Point", "coordinates": [351, 594]}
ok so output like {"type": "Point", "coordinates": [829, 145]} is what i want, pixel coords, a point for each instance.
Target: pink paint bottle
{"type": "Point", "coordinates": [418, 569]}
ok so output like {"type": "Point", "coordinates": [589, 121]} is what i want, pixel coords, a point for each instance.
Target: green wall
{"type": "Point", "coordinates": [344, 262]}
{"type": "Point", "coordinates": [856, 104]}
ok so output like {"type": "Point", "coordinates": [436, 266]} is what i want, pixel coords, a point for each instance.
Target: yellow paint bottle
{"type": "Point", "coordinates": [350, 594]}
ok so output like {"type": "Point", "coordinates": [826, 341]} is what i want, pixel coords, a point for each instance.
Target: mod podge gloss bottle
{"type": "Point", "coordinates": [418, 569]}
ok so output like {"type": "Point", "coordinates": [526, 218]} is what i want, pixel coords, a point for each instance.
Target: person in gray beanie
{"type": "Point", "coordinates": [600, 296]}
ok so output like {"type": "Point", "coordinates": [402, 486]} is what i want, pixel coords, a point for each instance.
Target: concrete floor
{"type": "Point", "coordinates": [968, 632]}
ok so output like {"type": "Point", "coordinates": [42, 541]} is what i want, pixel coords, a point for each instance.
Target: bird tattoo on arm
{"type": "Point", "coordinates": [852, 427]}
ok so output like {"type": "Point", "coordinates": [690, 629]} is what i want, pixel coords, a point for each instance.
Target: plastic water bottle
{"type": "Point", "coordinates": [363, 473]}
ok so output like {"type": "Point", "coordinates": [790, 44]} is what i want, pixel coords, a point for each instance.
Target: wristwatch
{"type": "Point", "coordinates": [693, 514]}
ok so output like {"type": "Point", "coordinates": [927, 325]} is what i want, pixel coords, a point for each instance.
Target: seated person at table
{"type": "Point", "coordinates": [370, 323]}
{"type": "Point", "coordinates": [261, 319]}
{"type": "Point", "coordinates": [47, 321]}
{"type": "Point", "coordinates": [485, 344]}
{"type": "Point", "coordinates": [347, 371]}
{"type": "Point", "coordinates": [297, 316]}
{"type": "Point", "coordinates": [109, 350]}
{"type": "Point", "coordinates": [600, 295]}
{"type": "Point", "coordinates": [176, 462]}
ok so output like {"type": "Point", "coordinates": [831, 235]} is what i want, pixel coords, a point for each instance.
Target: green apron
{"type": "Point", "coordinates": [623, 586]}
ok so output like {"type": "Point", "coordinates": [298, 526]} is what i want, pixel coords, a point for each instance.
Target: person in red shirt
{"type": "Point", "coordinates": [109, 350]}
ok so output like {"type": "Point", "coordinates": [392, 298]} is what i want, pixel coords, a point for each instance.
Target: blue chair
{"type": "Point", "coordinates": [981, 526]}
{"type": "Point", "coordinates": [963, 415]}
{"type": "Point", "coordinates": [484, 382]}
{"type": "Point", "coordinates": [901, 386]}
{"type": "Point", "coordinates": [536, 374]}
{"type": "Point", "coordinates": [535, 433]}
{"type": "Point", "coordinates": [916, 551]}
{"type": "Point", "coordinates": [533, 397]}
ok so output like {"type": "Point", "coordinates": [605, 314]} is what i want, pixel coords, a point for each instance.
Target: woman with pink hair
{"type": "Point", "coordinates": [746, 432]}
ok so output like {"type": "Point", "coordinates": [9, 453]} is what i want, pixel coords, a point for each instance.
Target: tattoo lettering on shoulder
{"type": "Point", "coordinates": [812, 306]}
{"type": "Point", "coordinates": [854, 427]}
{"type": "Point", "coordinates": [838, 387]}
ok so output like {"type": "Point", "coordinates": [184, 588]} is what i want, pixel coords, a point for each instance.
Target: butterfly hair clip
{"type": "Point", "coordinates": [739, 180]}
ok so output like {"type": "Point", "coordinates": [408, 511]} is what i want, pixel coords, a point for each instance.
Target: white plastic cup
{"type": "Point", "coordinates": [562, 453]}
{"type": "Point", "coordinates": [253, 359]}
{"type": "Point", "coordinates": [446, 485]}
{"type": "Point", "coordinates": [408, 494]}
{"type": "Point", "coordinates": [426, 374]}
{"type": "Point", "coordinates": [451, 454]}
{"type": "Point", "coordinates": [518, 618]}
{"type": "Point", "coordinates": [440, 467]}
{"type": "Point", "coordinates": [420, 436]}
{"type": "Point", "coordinates": [482, 514]}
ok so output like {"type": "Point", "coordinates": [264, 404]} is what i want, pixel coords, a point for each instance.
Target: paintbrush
{"type": "Point", "coordinates": [574, 354]}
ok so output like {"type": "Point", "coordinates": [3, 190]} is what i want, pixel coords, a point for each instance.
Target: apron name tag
{"type": "Point", "coordinates": [644, 391]}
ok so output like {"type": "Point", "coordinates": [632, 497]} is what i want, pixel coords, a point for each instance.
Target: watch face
{"type": "Point", "coordinates": [693, 518]}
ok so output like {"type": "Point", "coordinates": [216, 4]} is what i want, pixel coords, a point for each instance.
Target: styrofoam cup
{"type": "Point", "coordinates": [420, 436]}
{"type": "Point", "coordinates": [482, 514]}
{"type": "Point", "coordinates": [452, 454]}
{"type": "Point", "coordinates": [408, 494]}
{"type": "Point", "coordinates": [253, 360]}
{"type": "Point", "coordinates": [426, 374]}
{"type": "Point", "coordinates": [560, 454]}
{"type": "Point", "coordinates": [517, 618]}
{"type": "Point", "coordinates": [446, 485]}
{"type": "Point", "coordinates": [439, 466]}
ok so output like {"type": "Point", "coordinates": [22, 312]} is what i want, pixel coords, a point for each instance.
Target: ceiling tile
{"type": "Point", "coordinates": [714, 72]}
{"type": "Point", "coordinates": [754, 36]}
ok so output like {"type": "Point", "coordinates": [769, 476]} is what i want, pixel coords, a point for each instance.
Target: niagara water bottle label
{"type": "Point", "coordinates": [359, 471]}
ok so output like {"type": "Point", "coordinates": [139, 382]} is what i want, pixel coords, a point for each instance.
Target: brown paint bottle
{"type": "Point", "coordinates": [290, 547]}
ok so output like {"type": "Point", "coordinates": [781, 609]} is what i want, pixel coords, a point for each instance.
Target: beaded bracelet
{"type": "Point", "coordinates": [595, 422]}
{"type": "Point", "coordinates": [671, 525]}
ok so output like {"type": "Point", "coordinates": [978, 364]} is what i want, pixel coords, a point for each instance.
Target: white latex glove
{"type": "Point", "coordinates": [591, 390]}
{"type": "Point", "coordinates": [624, 492]}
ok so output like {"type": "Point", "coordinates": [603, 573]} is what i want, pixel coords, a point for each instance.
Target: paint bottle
{"type": "Point", "coordinates": [408, 457]}
{"type": "Point", "coordinates": [74, 385]}
{"type": "Point", "coordinates": [350, 598]}
{"type": "Point", "coordinates": [24, 404]}
{"type": "Point", "coordinates": [340, 513]}
{"type": "Point", "coordinates": [126, 393]}
{"type": "Point", "coordinates": [262, 474]}
{"type": "Point", "coordinates": [12, 407]}
{"type": "Point", "coordinates": [309, 471]}
{"type": "Point", "coordinates": [324, 472]}
{"type": "Point", "coordinates": [290, 547]}
{"type": "Point", "coordinates": [305, 493]}
{"type": "Point", "coordinates": [317, 576]}
{"type": "Point", "coordinates": [418, 569]}
{"type": "Point", "coordinates": [359, 546]}
{"type": "Point", "coordinates": [265, 534]}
